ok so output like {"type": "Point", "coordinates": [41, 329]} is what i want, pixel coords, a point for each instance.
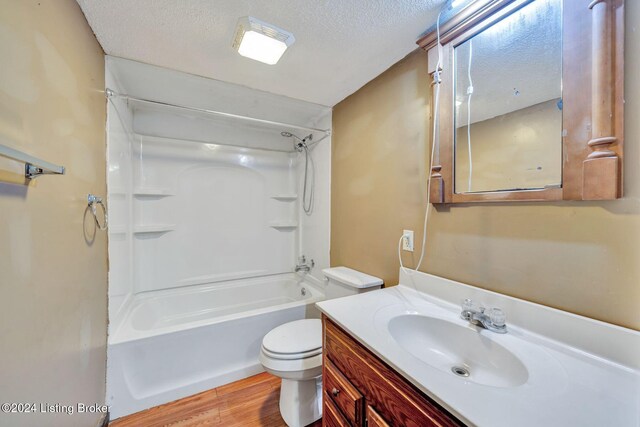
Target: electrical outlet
{"type": "Point", "coordinates": [407, 240]}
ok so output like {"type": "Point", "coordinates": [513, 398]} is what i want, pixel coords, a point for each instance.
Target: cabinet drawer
{"type": "Point", "coordinates": [331, 416]}
{"type": "Point", "coordinates": [393, 397]}
{"type": "Point", "coordinates": [346, 397]}
{"type": "Point", "coordinates": [374, 419]}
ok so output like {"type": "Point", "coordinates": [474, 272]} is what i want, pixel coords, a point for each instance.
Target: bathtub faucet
{"type": "Point", "coordinates": [303, 265]}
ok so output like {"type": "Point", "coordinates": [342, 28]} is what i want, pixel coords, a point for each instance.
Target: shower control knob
{"type": "Point", "coordinates": [335, 392]}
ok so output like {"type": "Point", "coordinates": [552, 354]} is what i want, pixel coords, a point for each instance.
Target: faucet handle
{"type": "Point", "coordinates": [497, 317]}
{"type": "Point", "coordinates": [470, 305]}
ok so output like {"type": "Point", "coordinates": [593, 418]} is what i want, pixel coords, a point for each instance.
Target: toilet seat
{"type": "Point", "coordinates": [299, 339]}
{"type": "Point", "coordinates": [294, 350]}
{"type": "Point", "coordinates": [291, 356]}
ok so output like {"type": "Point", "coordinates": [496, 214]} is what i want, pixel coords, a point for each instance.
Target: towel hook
{"type": "Point", "coordinates": [93, 201]}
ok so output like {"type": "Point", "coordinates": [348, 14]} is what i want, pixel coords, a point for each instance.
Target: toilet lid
{"type": "Point", "coordinates": [300, 337]}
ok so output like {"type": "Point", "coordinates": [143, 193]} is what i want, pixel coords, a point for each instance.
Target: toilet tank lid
{"type": "Point", "coordinates": [350, 277]}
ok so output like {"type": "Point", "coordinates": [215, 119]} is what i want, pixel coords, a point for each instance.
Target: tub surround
{"type": "Point", "coordinates": [578, 371]}
{"type": "Point", "coordinates": [196, 199]}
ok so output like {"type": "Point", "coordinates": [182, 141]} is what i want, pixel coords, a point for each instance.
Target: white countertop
{"type": "Point", "coordinates": [566, 386]}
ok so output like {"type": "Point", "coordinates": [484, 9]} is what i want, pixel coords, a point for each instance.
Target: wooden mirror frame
{"type": "Point", "coordinates": [592, 98]}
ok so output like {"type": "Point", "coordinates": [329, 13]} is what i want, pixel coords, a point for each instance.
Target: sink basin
{"type": "Point", "coordinates": [458, 350]}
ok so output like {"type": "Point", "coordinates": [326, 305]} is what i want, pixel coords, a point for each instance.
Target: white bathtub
{"type": "Point", "coordinates": [174, 343]}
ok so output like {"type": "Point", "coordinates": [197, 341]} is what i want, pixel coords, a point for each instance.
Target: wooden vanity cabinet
{"type": "Point", "coordinates": [361, 390]}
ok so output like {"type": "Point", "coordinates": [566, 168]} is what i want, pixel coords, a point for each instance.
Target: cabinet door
{"type": "Point", "coordinates": [374, 419]}
{"type": "Point", "coordinates": [345, 396]}
{"type": "Point", "coordinates": [331, 416]}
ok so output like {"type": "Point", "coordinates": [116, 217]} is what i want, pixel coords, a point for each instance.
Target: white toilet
{"type": "Point", "coordinates": [293, 351]}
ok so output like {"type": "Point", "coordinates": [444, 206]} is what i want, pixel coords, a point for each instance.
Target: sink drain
{"type": "Point", "coordinates": [460, 371]}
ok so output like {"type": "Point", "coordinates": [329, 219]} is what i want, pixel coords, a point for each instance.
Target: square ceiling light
{"type": "Point", "coordinates": [258, 40]}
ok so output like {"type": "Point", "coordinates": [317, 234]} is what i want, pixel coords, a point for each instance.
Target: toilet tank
{"type": "Point", "coordinates": [343, 281]}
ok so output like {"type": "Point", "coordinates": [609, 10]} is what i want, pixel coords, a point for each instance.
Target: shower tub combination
{"type": "Point", "coordinates": [209, 209]}
{"type": "Point", "coordinates": [172, 343]}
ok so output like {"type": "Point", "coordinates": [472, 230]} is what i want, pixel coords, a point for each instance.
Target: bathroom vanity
{"type": "Point", "coordinates": [407, 356]}
{"type": "Point", "coordinates": [360, 389]}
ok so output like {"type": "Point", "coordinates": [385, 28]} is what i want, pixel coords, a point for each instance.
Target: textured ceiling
{"type": "Point", "coordinates": [340, 44]}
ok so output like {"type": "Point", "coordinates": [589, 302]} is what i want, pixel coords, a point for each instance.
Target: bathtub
{"type": "Point", "coordinates": [173, 343]}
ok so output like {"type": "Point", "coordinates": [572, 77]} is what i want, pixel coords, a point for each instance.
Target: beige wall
{"type": "Point", "coordinates": [53, 271]}
{"type": "Point", "coordinates": [583, 257]}
{"type": "Point", "coordinates": [520, 149]}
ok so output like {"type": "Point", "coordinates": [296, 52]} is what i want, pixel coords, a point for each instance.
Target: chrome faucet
{"type": "Point", "coordinates": [303, 265]}
{"type": "Point", "coordinates": [493, 321]}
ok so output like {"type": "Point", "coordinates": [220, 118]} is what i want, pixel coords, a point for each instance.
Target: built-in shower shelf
{"type": "Point", "coordinates": [283, 225]}
{"type": "Point", "coordinates": [153, 229]}
{"type": "Point", "coordinates": [152, 192]}
{"type": "Point", "coordinates": [285, 197]}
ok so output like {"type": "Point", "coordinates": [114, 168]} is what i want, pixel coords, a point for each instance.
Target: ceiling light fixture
{"type": "Point", "coordinates": [260, 41]}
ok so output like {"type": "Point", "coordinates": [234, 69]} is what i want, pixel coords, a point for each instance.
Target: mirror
{"type": "Point", "coordinates": [508, 103]}
{"type": "Point", "coordinates": [545, 119]}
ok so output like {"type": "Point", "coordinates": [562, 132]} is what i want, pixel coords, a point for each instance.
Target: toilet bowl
{"type": "Point", "coordinates": [293, 351]}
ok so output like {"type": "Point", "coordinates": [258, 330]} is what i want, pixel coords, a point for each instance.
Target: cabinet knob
{"type": "Point", "coordinates": [335, 392]}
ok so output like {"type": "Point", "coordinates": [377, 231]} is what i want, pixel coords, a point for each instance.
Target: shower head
{"type": "Point", "coordinates": [291, 135]}
{"type": "Point", "coordinates": [302, 142]}
{"type": "Point", "coordinates": [298, 146]}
